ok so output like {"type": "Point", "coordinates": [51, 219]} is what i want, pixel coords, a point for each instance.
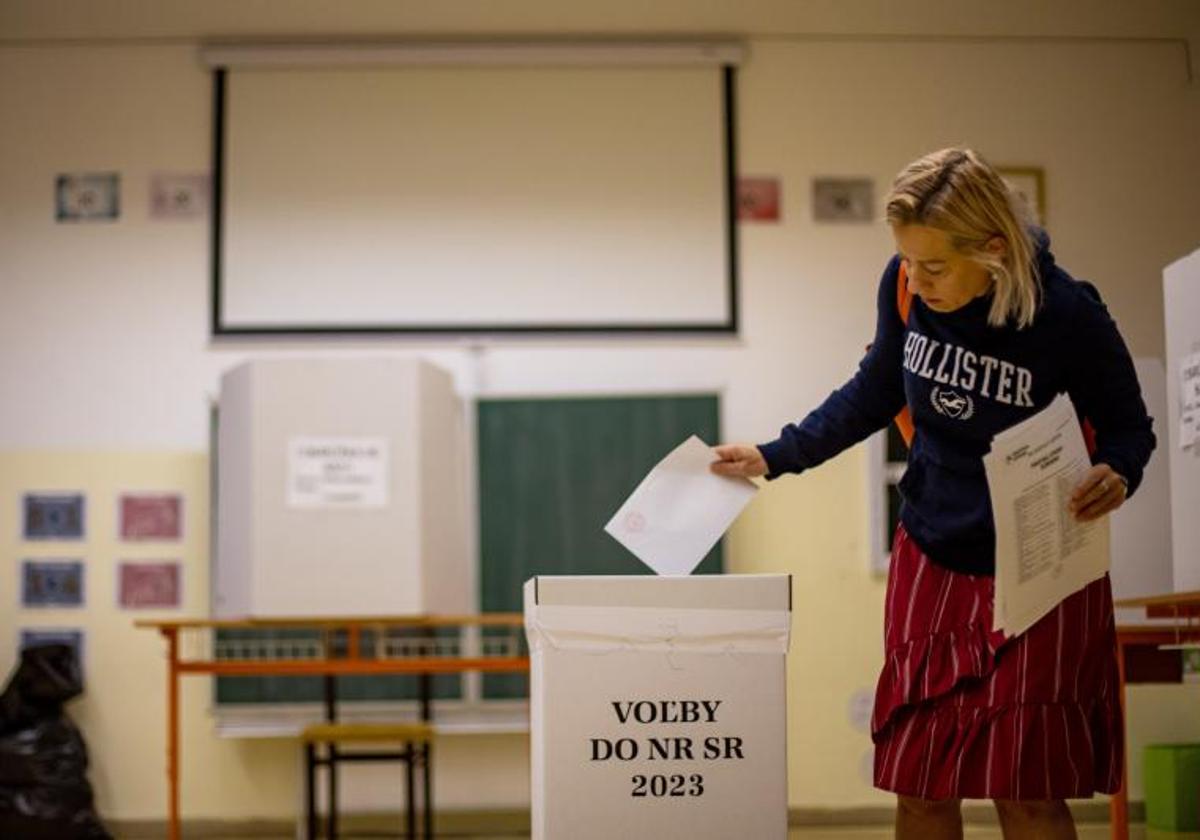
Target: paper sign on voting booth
{"type": "Point", "coordinates": [658, 706]}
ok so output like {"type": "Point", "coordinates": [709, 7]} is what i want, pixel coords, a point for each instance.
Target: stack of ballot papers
{"type": "Point", "coordinates": [680, 510]}
{"type": "Point", "coordinates": [1043, 554]}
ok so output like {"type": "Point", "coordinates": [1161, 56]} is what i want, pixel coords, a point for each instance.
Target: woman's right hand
{"type": "Point", "coordinates": [739, 460]}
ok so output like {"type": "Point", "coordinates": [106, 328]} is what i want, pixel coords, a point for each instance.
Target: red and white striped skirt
{"type": "Point", "coordinates": [964, 712]}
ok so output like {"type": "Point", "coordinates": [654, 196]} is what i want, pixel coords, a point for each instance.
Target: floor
{"type": "Point", "coordinates": [1086, 832]}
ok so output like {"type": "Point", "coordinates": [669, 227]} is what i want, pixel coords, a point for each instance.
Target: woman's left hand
{"type": "Point", "coordinates": [1100, 491]}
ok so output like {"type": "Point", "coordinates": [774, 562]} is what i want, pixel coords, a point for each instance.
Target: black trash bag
{"type": "Point", "coordinates": [44, 791]}
{"type": "Point", "coordinates": [47, 677]}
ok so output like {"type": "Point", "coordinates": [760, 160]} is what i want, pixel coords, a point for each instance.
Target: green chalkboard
{"type": "Point", "coordinates": [551, 474]}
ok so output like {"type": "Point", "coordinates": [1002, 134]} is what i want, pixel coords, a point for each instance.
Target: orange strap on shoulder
{"type": "Point", "coordinates": [904, 421]}
{"type": "Point", "coordinates": [903, 295]}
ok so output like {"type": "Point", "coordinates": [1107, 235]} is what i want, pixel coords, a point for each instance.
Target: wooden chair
{"type": "Point", "coordinates": [417, 739]}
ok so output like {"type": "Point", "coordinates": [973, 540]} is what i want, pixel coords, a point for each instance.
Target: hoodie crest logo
{"type": "Point", "coordinates": [951, 403]}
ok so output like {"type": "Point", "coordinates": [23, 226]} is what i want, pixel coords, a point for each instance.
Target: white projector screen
{"type": "Point", "coordinates": [474, 199]}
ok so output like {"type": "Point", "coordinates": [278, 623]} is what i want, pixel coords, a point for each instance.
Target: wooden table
{"type": "Point", "coordinates": [1182, 611]}
{"type": "Point", "coordinates": [180, 664]}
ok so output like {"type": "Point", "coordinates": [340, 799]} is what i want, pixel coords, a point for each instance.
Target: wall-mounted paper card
{"type": "Point", "coordinates": [843, 199]}
{"type": "Point", "coordinates": [87, 197]}
{"type": "Point", "coordinates": [176, 195]}
{"type": "Point", "coordinates": [337, 472]}
{"type": "Point", "coordinates": [758, 199]}
{"type": "Point", "coordinates": [680, 510]}
{"type": "Point", "coordinates": [52, 583]}
{"type": "Point", "coordinates": [151, 516]}
{"type": "Point", "coordinates": [53, 516]}
{"type": "Point", "coordinates": [1189, 400]}
{"type": "Point", "coordinates": [149, 585]}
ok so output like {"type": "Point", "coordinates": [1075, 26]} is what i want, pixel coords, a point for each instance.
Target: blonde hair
{"type": "Point", "coordinates": [957, 192]}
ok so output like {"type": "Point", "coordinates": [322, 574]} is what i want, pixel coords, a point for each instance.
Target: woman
{"type": "Point", "coordinates": [994, 330]}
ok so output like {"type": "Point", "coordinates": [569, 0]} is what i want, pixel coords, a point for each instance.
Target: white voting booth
{"type": "Point", "coordinates": [1181, 305]}
{"type": "Point", "coordinates": [658, 706]}
{"type": "Point", "coordinates": [340, 490]}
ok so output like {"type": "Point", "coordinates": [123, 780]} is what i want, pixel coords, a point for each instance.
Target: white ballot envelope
{"type": "Point", "coordinates": [680, 510]}
{"type": "Point", "coordinates": [1042, 553]}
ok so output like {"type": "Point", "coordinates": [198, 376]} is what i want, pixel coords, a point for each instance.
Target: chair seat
{"type": "Point", "coordinates": [363, 732]}
{"type": "Point", "coordinates": [416, 755]}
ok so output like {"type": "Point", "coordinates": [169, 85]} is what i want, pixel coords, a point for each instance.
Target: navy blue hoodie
{"type": "Point", "coordinates": [964, 381]}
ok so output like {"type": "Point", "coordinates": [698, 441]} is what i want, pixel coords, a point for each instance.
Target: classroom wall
{"type": "Point", "coordinates": [107, 369]}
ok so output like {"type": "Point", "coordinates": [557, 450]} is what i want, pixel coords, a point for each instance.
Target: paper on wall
{"type": "Point", "coordinates": [1189, 400]}
{"type": "Point", "coordinates": [337, 472]}
{"type": "Point", "coordinates": [1043, 554]}
{"type": "Point", "coordinates": [680, 510]}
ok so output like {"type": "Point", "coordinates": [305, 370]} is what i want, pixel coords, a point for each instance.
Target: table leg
{"type": "Point", "coordinates": [173, 829]}
{"type": "Point", "coordinates": [330, 687]}
{"type": "Point", "coordinates": [310, 791]}
{"type": "Point", "coordinates": [410, 793]}
{"type": "Point", "coordinates": [331, 831]}
{"type": "Point", "coordinates": [427, 788]}
{"type": "Point", "coordinates": [426, 688]}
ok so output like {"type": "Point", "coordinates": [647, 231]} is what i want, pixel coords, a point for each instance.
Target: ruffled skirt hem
{"type": "Point", "coordinates": [962, 711]}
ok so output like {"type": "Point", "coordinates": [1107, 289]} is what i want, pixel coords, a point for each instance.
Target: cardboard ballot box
{"type": "Point", "coordinates": [658, 706]}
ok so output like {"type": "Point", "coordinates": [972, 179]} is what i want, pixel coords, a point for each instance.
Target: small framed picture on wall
{"type": "Point", "coordinates": [53, 516]}
{"type": "Point", "coordinates": [1029, 183]}
{"type": "Point", "coordinates": [52, 583]}
{"type": "Point", "coordinates": [150, 516]}
{"type": "Point", "coordinates": [150, 585]}
{"type": "Point", "coordinates": [87, 197]}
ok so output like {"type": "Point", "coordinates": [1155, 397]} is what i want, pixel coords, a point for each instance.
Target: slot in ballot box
{"type": "Point", "coordinates": [658, 706]}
